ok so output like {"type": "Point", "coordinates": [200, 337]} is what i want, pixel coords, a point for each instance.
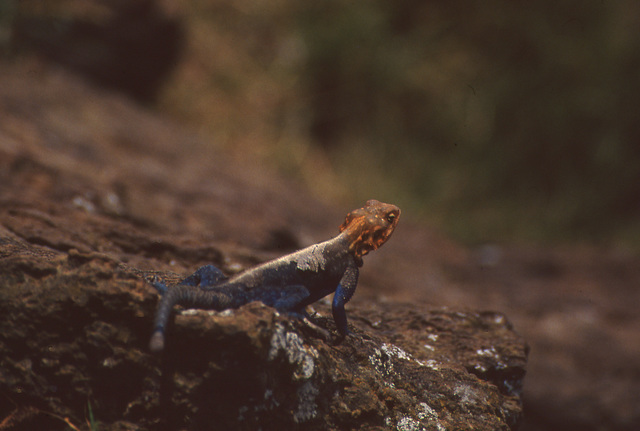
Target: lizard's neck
{"type": "Point", "coordinates": [343, 246]}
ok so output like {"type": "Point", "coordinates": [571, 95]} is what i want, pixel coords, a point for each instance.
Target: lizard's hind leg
{"type": "Point", "coordinates": [188, 297]}
{"type": "Point", "coordinates": [292, 302]}
{"type": "Point", "coordinates": [205, 277]}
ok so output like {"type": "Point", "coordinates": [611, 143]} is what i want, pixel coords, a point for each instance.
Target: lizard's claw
{"type": "Point", "coordinates": [337, 340]}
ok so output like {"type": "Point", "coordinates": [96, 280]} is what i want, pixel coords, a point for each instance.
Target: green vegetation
{"type": "Point", "coordinates": [493, 119]}
{"type": "Point", "coordinates": [7, 13]}
{"type": "Point", "coordinates": [498, 118]}
{"type": "Point", "coordinates": [93, 425]}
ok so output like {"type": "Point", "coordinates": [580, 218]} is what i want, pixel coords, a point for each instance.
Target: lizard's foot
{"type": "Point", "coordinates": [308, 325]}
{"type": "Point", "coordinates": [316, 330]}
{"type": "Point", "coordinates": [159, 286]}
{"type": "Point", "coordinates": [157, 342]}
{"type": "Point", "coordinates": [337, 340]}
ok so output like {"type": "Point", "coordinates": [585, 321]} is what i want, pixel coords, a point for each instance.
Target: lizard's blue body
{"type": "Point", "coordinates": [291, 282]}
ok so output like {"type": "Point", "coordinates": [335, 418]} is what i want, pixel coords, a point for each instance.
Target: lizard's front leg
{"type": "Point", "coordinates": [289, 298]}
{"type": "Point", "coordinates": [345, 290]}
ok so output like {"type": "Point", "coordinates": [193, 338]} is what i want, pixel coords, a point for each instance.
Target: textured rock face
{"type": "Point", "coordinates": [95, 197]}
{"type": "Point", "coordinates": [75, 331]}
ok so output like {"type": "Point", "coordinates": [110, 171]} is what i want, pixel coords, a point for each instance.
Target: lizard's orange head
{"type": "Point", "coordinates": [370, 226]}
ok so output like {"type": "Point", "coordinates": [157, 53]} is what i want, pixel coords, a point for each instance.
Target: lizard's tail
{"type": "Point", "coordinates": [187, 296]}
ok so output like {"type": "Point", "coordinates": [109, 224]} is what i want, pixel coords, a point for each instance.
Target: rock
{"type": "Point", "coordinates": [75, 329]}
{"type": "Point", "coordinates": [96, 197]}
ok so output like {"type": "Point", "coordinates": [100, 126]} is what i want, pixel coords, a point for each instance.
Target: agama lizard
{"type": "Point", "coordinates": [291, 282]}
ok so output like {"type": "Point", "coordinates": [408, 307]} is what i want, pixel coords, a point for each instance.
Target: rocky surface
{"type": "Point", "coordinates": [97, 195]}
{"type": "Point", "coordinates": [76, 329]}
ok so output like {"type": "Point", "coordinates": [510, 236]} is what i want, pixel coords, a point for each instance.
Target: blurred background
{"type": "Point", "coordinates": [494, 122]}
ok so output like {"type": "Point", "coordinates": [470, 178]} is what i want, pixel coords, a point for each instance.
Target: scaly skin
{"type": "Point", "coordinates": [291, 282]}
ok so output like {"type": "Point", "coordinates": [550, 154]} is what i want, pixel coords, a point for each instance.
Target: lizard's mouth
{"type": "Point", "coordinates": [370, 240]}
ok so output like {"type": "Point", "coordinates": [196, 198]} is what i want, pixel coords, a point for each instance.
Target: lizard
{"type": "Point", "coordinates": [289, 283]}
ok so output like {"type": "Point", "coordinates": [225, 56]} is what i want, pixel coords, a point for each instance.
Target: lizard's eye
{"type": "Point", "coordinates": [391, 217]}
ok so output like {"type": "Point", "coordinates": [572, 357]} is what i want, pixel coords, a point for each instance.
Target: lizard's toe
{"type": "Point", "coordinates": [157, 342]}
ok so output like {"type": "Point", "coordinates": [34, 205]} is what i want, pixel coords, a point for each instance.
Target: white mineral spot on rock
{"type": "Point", "coordinates": [382, 364]}
{"type": "Point", "coordinates": [112, 202]}
{"type": "Point", "coordinates": [190, 312]}
{"type": "Point", "coordinates": [296, 352]}
{"type": "Point", "coordinates": [468, 395]}
{"type": "Point", "coordinates": [407, 423]}
{"type": "Point", "coordinates": [395, 351]}
{"type": "Point", "coordinates": [426, 412]}
{"type": "Point", "coordinates": [85, 204]}
{"type": "Point", "coordinates": [490, 352]}
{"type": "Point", "coordinates": [307, 408]}
{"type": "Point", "coordinates": [241, 411]}
{"type": "Point", "coordinates": [432, 364]}
{"type": "Point", "coordinates": [109, 362]}
{"type": "Point", "coordinates": [429, 415]}
{"type": "Point", "coordinates": [481, 368]}
{"type": "Point", "coordinates": [198, 311]}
